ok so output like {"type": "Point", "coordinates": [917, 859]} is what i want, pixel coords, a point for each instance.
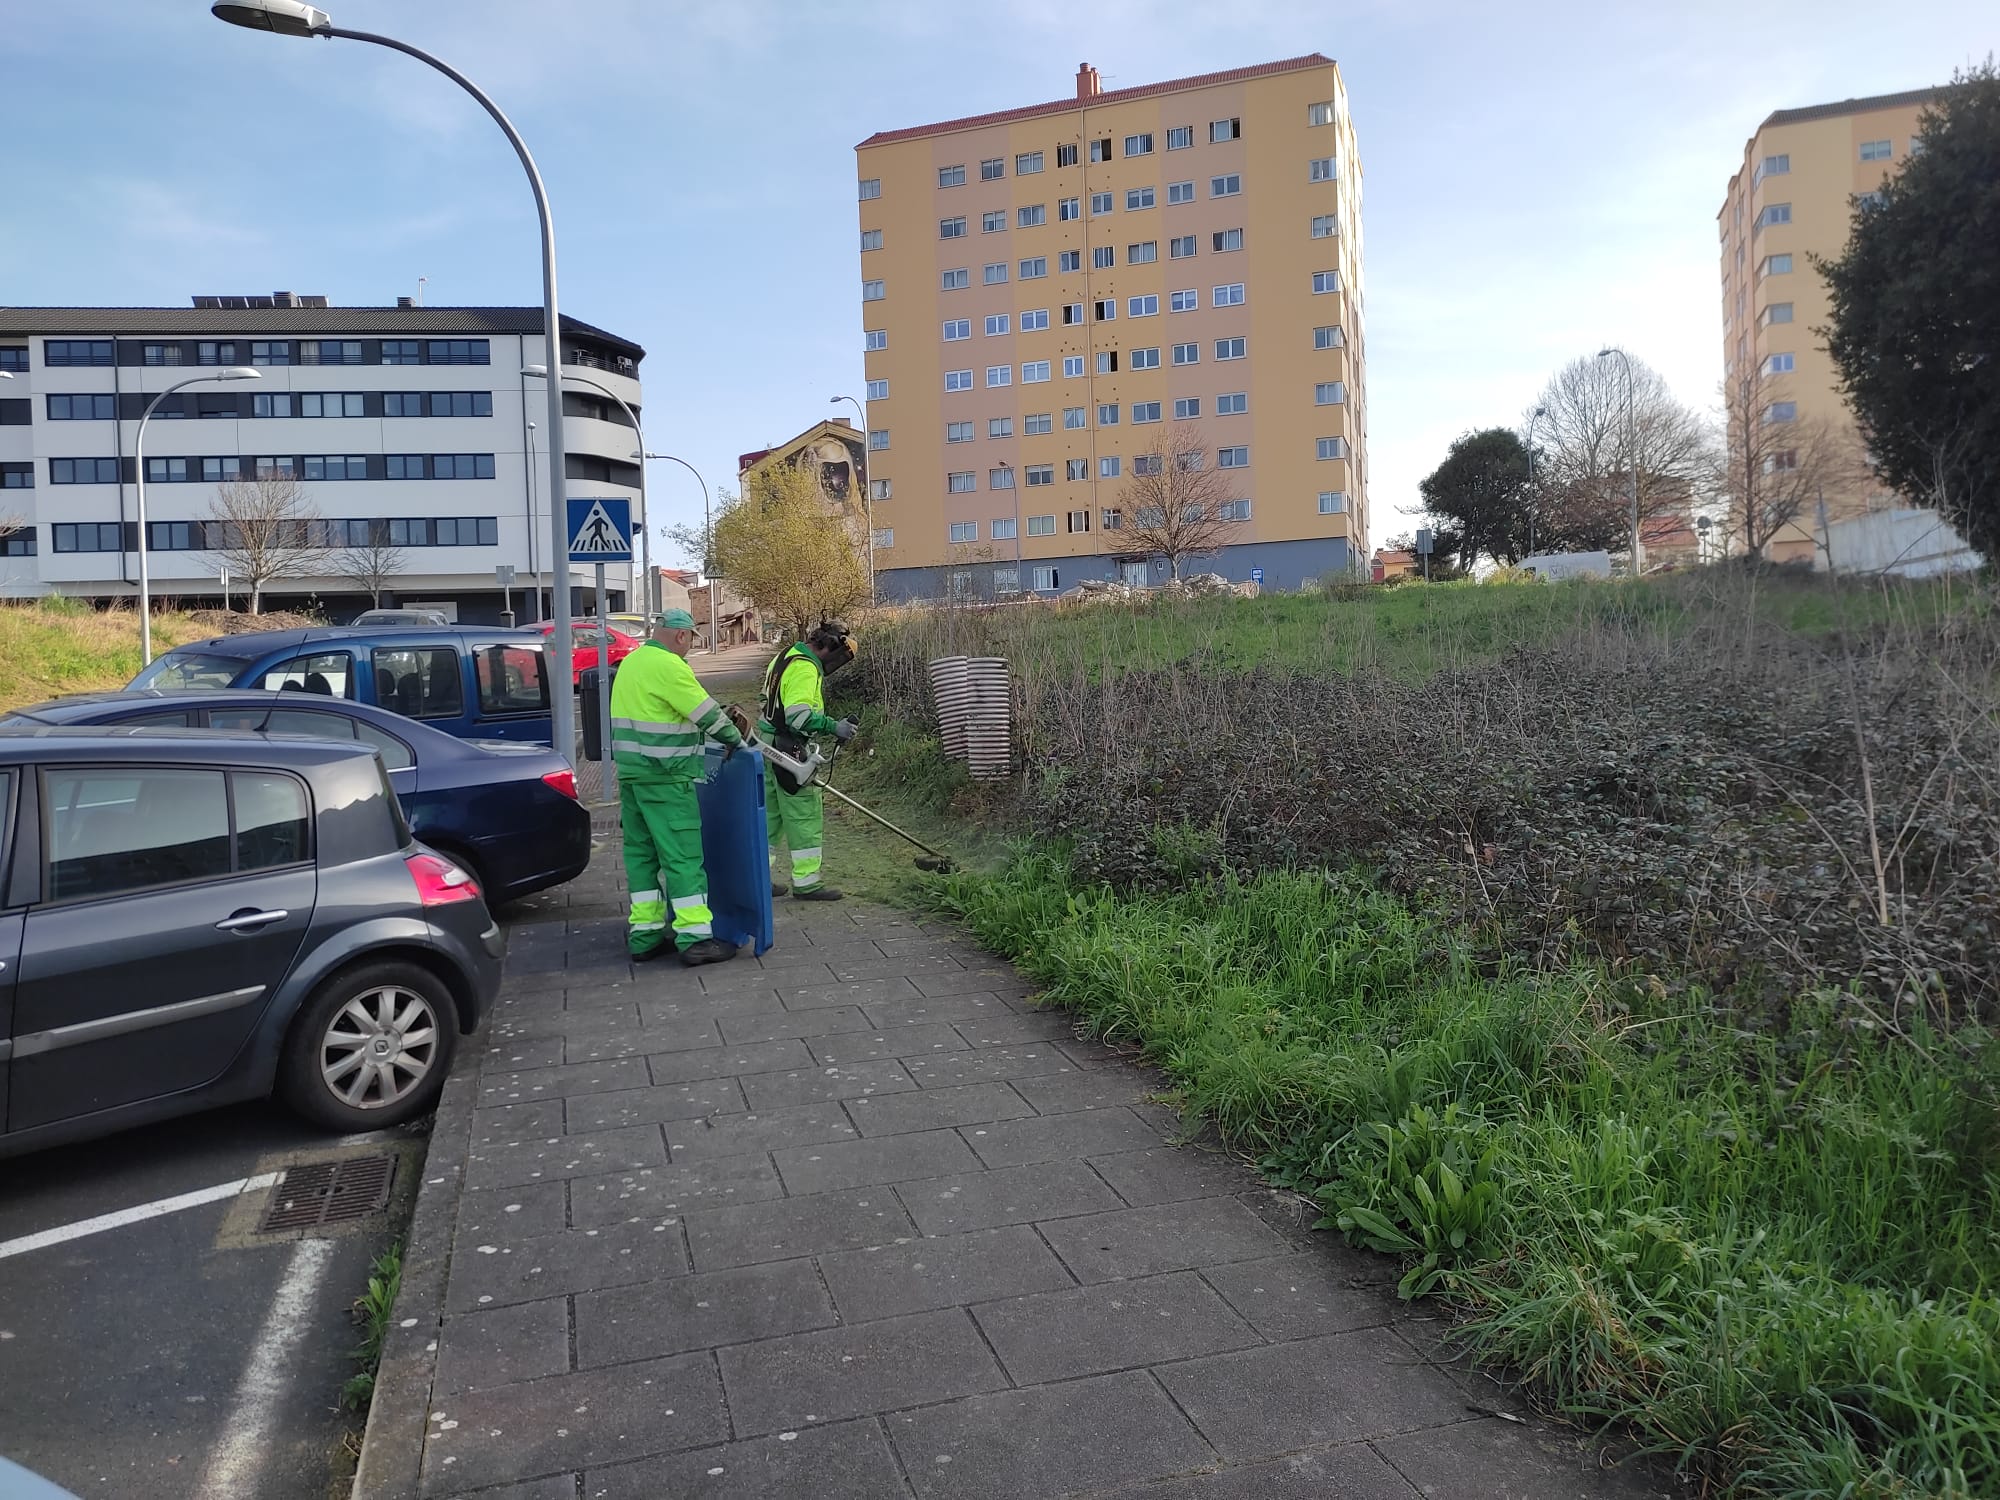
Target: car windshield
{"type": "Point", "coordinates": [189, 669]}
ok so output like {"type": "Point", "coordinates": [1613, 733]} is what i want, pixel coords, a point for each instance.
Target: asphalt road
{"type": "Point", "coordinates": [181, 1355]}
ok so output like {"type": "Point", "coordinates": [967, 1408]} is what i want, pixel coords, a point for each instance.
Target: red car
{"type": "Point", "coordinates": [586, 636]}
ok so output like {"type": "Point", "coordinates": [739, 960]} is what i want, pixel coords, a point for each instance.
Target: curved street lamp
{"type": "Point", "coordinates": [707, 541]}
{"type": "Point", "coordinates": [647, 602]}
{"type": "Point", "coordinates": [1539, 413]}
{"type": "Point", "coordinates": [230, 372]}
{"type": "Point", "coordinates": [1632, 443]}
{"type": "Point", "coordinates": [293, 18]}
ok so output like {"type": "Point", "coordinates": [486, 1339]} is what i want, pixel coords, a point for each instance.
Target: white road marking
{"type": "Point", "coordinates": [66, 1232]}
{"type": "Point", "coordinates": [247, 1434]}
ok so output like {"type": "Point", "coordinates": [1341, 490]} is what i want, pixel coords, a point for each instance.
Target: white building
{"type": "Point", "coordinates": [410, 422]}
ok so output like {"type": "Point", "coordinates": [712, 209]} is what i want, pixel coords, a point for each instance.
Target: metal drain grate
{"type": "Point", "coordinates": [329, 1192]}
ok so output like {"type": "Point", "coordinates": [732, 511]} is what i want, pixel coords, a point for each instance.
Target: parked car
{"type": "Point", "coordinates": [586, 639]}
{"type": "Point", "coordinates": [506, 811]}
{"type": "Point", "coordinates": [479, 683]}
{"type": "Point", "coordinates": [190, 919]}
{"type": "Point", "coordinates": [400, 617]}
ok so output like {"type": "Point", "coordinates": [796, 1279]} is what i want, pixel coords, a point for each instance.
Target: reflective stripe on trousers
{"type": "Point", "coordinates": [692, 918]}
{"type": "Point", "coordinates": [805, 868]}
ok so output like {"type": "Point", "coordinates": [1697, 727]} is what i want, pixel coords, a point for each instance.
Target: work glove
{"type": "Point", "coordinates": [845, 730]}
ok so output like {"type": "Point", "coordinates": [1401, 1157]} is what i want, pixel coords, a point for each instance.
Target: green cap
{"type": "Point", "coordinates": [673, 619]}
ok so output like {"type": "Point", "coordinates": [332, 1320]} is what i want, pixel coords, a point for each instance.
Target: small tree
{"type": "Point", "coordinates": [1177, 503]}
{"type": "Point", "coordinates": [1772, 472]}
{"type": "Point", "coordinates": [263, 530]}
{"type": "Point", "coordinates": [787, 549]}
{"type": "Point", "coordinates": [372, 565]}
{"type": "Point", "coordinates": [1478, 497]}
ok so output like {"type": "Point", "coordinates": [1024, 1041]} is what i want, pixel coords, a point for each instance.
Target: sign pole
{"type": "Point", "coordinates": [604, 688]}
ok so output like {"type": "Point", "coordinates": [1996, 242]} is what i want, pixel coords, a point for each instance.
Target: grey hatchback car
{"type": "Point", "coordinates": [191, 919]}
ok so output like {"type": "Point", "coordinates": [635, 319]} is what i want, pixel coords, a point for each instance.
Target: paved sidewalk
{"type": "Point", "coordinates": [859, 1221]}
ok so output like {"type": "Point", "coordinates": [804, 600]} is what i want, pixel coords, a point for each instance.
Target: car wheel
{"type": "Point", "coordinates": [371, 1048]}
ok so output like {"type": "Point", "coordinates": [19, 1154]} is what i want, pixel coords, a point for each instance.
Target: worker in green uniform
{"type": "Point", "coordinates": [661, 721]}
{"type": "Point", "coordinates": [794, 708]}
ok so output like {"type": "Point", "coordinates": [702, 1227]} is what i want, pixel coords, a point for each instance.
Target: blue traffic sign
{"type": "Point", "coordinates": [1256, 575]}
{"type": "Point", "coordinates": [600, 529]}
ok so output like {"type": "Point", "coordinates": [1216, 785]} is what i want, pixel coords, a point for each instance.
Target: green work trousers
{"type": "Point", "coordinates": [796, 817]}
{"type": "Point", "coordinates": [663, 865]}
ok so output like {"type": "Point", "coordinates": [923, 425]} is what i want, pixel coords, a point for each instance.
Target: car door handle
{"type": "Point", "coordinates": [244, 920]}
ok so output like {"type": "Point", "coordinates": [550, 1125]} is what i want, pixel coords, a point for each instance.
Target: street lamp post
{"type": "Point", "coordinates": [541, 372]}
{"type": "Point", "coordinates": [1539, 413]}
{"type": "Point", "coordinates": [707, 540]}
{"type": "Point", "coordinates": [1632, 443]}
{"type": "Point", "coordinates": [294, 18]}
{"type": "Point", "coordinates": [231, 372]}
{"type": "Point", "coordinates": [867, 493]}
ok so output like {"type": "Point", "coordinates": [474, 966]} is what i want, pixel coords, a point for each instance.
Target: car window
{"type": "Point", "coordinates": [328, 673]}
{"type": "Point", "coordinates": [112, 830]}
{"type": "Point", "coordinates": [419, 682]}
{"type": "Point", "coordinates": [273, 822]}
{"type": "Point", "coordinates": [315, 724]}
{"type": "Point", "coordinates": [175, 717]}
{"type": "Point", "coordinates": [395, 754]}
{"type": "Point", "coordinates": [583, 636]}
{"type": "Point", "coordinates": [190, 669]}
{"type": "Point", "coordinates": [512, 680]}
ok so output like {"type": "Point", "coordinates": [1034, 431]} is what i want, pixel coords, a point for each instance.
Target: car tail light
{"type": "Point", "coordinates": [439, 881]}
{"type": "Point", "coordinates": [563, 781]}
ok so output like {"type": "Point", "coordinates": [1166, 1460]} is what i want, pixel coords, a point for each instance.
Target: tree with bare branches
{"type": "Point", "coordinates": [1774, 467]}
{"type": "Point", "coordinates": [373, 564]}
{"type": "Point", "coordinates": [265, 529]}
{"type": "Point", "coordinates": [1178, 505]}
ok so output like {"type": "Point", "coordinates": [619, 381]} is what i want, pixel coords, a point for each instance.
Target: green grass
{"type": "Point", "coordinates": [56, 646]}
{"type": "Point", "coordinates": [372, 1311]}
{"type": "Point", "coordinates": [1775, 1257]}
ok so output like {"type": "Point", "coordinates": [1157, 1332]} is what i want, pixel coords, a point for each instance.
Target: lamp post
{"type": "Point", "coordinates": [867, 495]}
{"type": "Point", "coordinates": [541, 372]}
{"type": "Point", "coordinates": [707, 540]}
{"type": "Point", "coordinates": [1632, 443]}
{"type": "Point", "coordinates": [1539, 413]}
{"type": "Point", "coordinates": [294, 18]}
{"type": "Point", "coordinates": [231, 372]}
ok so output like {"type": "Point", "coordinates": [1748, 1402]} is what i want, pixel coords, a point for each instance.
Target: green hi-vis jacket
{"type": "Point", "coordinates": [801, 693]}
{"type": "Point", "coordinates": [662, 717]}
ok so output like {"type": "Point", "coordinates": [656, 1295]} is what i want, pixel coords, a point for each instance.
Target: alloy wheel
{"type": "Point", "coordinates": [379, 1046]}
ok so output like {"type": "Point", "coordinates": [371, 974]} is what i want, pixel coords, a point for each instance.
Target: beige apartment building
{"type": "Point", "coordinates": [1790, 200]}
{"type": "Point", "coordinates": [1046, 290]}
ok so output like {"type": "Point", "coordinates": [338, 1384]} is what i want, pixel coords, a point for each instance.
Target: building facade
{"type": "Point", "coordinates": [1793, 198]}
{"type": "Point", "coordinates": [412, 431]}
{"type": "Point", "coordinates": [1044, 290]}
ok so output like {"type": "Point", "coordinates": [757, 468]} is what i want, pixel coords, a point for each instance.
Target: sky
{"type": "Point", "coordinates": [1540, 179]}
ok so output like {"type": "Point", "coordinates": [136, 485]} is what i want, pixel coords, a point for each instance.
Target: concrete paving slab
{"type": "Point", "coordinates": [963, 1202]}
{"type": "Point", "coordinates": [1096, 1132]}
{"type": "Point", "coordinates": [1171, 1174]}
{"type": "Point", "coordinates": [700, 1311]}
{"type": "Point", "coordinates": [758, 1132]}
{"type": "Point", "coordinates": [1172, 1237]}
{"type": "Point", "coordinates": [503, 1346]}
{"type": "Point", "coordinates": [891, 1158]}
{"type": "Point", "coordinates": [654, 1106]}
{"type": "Point", "coordinates": [886, 1281]}
{"type": "Point", "coordinates": [830, 1461]}
{"type": "Point", "coordinates": [894, 1041]}
{"type": "Point", "coordinates": [729, 1062]}
{"type": "Point", "coordinates": [1116, 1325]}
{"type": "Point", "coordinates": [989, 1064]}
{"type": "Point", "coordinates": [1299, 1296]}
{"type": "Point", "coordinates": [652, 1193]}
{"type": "Point", "coordinates": [937, 1109]}
{"type": "Point", "coordinates": [789, 1227]}
{"type": "Point", "coordinates": [1353, 1471]}
{"type": "Point", "coordinates": [1495, 1460]}
{"type": "Point", "coordinates": [582, 1155]}
{"type": "Point", "coordinates": [836, 1081]}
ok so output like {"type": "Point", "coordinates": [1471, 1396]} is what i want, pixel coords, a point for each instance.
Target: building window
{"type": "Point", "coordinates": [1138, 198]}
{"type": "Point", "coordinates": [1035, 320]}
{"type": "Point", "coordinates": [1232, 404]}
{"type": "Point", "coordinates": [351, 404]}
{"type": "Point", "coordinates": [1109, 466]}
{"type": "Point", "coordinates": [1142, 254]}
{"type": "Point", "coordinates": [1332, 502]}
{"type": "Point", "coordinates": [1104, 309]}
{"type": "Point", "coordinates": [956, 280]}
{"type": "Point", "coordinates": [993, 169]}
{"type": "Point", "coordinates": [1328, 337]}
{"type": "Point", "coordinates": [1780, 364]}
{"type": "Point", "coordinates": [958, 380]}
{"type": "Point", "coordinates": [1076, 469]}
{"type": "Point", "coordinates": [1325, 281]}
{"type": "Point", "coordinates": [882, 538]}
{"type": "Point", "coordinates": [17, 476]}
{"type": "Point", "coordinates": [1227, 296]}
{"type": "Point", "coordinates": [1232, 458]}
{"type": "Point", "coordinates": [1234, 510]}
{"type": "Point", "coordinates": [997, 375]}
{"type": "Point", "coordinates": [90, 536]}
{"type": "Point", "coordinates": [878, 439]}
{"type": "Point", "coordinates": [1331, 447]}
{"type": "Point", "coordinates": [962, 482]}
{"type": "Point", "coordinates": [871, 239]}
{"type": "Point", "coordinates": [1076, 418]}
{"type": "Point", "coordinates": [1107, 414]}
{"type": "Point", "coordinates": [76, 353]}
{"type": "Point", "coordinates": [1069, 208]}
{"type": "Point", "coordinates": [1187, 354]}
{"type": "Point", "coordinates": [1777, 312]}
{"type": "Point", "coordinates": [353, 466]}
{"type": "Point", "coordinates": [951, 176]}
{"type": "Point", "coordinates": [956, 329]}
{"type": "Point", "coordinates": [1045, 578]}
{"type": "Point", "coordinates": [18, 543]}
{"type": "Point", "coordinates": [871, 187]}
{"type": "Point", "coordinates": [14, 357]}
{"type": "Point", "coordinates": [958, 432]}
{"type": "Point", "coordinates": [1069, 260]}
{"type": "Point", "coordinates": [1034, 268]}
{"type": "Point", "coordinates": [83, 471]}
{"type": "Point", "coordinates": [1774, 213]}
{"type": "Point", "coordinates": [1324, 226]}
{"type": "Point", "coordinates": [1180, 137]}
{"type": "Point", "coordinates": [1227, 186]}
{"type": "Point", "coordinates": [1034, 372]}
{"type": "Point", "coordinates": [1228, 239]}
{"type": "Point", "coordinates": [993, 221]}
{"type": "Point", "coordinates": [1319, 114]}
{"type": "Point", "coordinates": [1139, 145]}
{"type": "Point", "coordinates": [1145, 411]}
{"type": "Point", "coordinates": [1225, 130]}
{"type": "Point", "coordinates": [996, 323]}
{"type": "Point", "coordinates": [881, 489]}
{"type": "Point", "coordinates": [1187, 408]}
{"type": "Point", "coordinates": [1001, 478]}
{"type": "Point", "coordinates": [1186, 301]}
{"type": "Point", "coordinates": [276, 466]}
{"type": "Point", "coordinates": [1145, 359]}
{"type": "Point", "coordinates": [1001, 529]}
{"type": "Point", "coordinates": [1320, 169]}
{"type": "Point", "coordinates": [1040, 475]}
{"type": "Point", "coordinates": [1027, 163]}
{"type": "Point", "coordinates": [1147, 306]}
{"type": "Point", "coordinates": [878, 390]}
{"type": "Point", "coordinates": [82, 408]}
{"type": "Point", "coordinates": [964, 531]}
{"type": "Point", "coordinates": [1066, 153]}
{"type": "Point", "coordinates": [394, 352]}
{"type": "Point", "coordinates": [221, 470]}
{"type": "Point", "coordinates": [1771, 166]}
{"type": "Point", "coordinates": [1776, 265]}
{"type": "Point", "coordinates": [1101, 150]}
{"type": "Point", "coordinates": [999, 427]}
{"type": "Point", "coordinates": [872, 291]}
{"type": "Point", "coordinates": [1229, 348]}
{"type": "Point", "coordinates": [995, 273]}
{"type": "Point", "coordinates": [1031, 215]}
{"type": "Point", "coordinates": [1007, 580]}
{"type": "Point", "coordinates": [1330, 393]}
{"type": "Point", "coordinates": [1079, 520]}
{"type": "Point", "coordinates": [1180, 192]}
{"type": "Point", "coordinates": [166, 471]}
{"type": "Point", "coordinates": [330, 352]}
{"type": "Point", "coordinates": [1877, 150]}
{"type": "Point", "coordinates": [279, 352]}
{"type": "Point", "coordinates": [1041, 525]}
{"type": "Point", "coordinates": [1100, 204]}
{"type": "Point", "coordinates": [1072, 367]}
{"type": "Point", "coordinates": [1872, 200]}
{"type": "Point", "coordinates": [1037, 423]}
{"type": "Point", "coordinates": [952, 229]}
{"type": "Point", "coordinates": [161, 354]}
{"type": "Point", "coordinates": [1180, 247]}
{"type": "Point", "coordinates": [1782, 411]}
{"type": "Point", "coordinates": [1103, 258]}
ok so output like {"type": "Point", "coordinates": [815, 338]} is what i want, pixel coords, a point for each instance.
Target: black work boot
{"type": "Point", "coordinates": [780, 890]}
{"type": "Point", "coordinates": [817, 893]}
{"type": "Point", "coordinates": [708, 951]}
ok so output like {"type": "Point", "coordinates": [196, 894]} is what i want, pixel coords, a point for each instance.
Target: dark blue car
{"type": "Point", "coordinates": [477, 682]}
{"type": "Point", "coordinates": [507, 812]}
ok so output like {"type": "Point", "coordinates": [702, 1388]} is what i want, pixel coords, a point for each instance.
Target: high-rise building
{"type": "Point", "coordinates": [1794, 198]}
{"type": "Point", "coordinates": [1045, 290]}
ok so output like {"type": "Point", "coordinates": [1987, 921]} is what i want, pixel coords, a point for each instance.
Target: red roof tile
{"type": "Point", "coordinates": [1114, 96]}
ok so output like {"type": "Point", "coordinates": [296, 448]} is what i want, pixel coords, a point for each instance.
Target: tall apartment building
{"type": "Point", "coordinates": [1790, 200]}
{"type": "Point", "coordinates": [1045, 289]}
{"type": "Point", "coordinates": [407, 424]}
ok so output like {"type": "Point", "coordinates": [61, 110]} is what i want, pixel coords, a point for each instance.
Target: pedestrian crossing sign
{"type": "Point", "coordinates": [600, 529]}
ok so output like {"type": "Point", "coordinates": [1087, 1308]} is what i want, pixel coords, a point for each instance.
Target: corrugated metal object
{"type": "Point", "coordinates": [974, 700]}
